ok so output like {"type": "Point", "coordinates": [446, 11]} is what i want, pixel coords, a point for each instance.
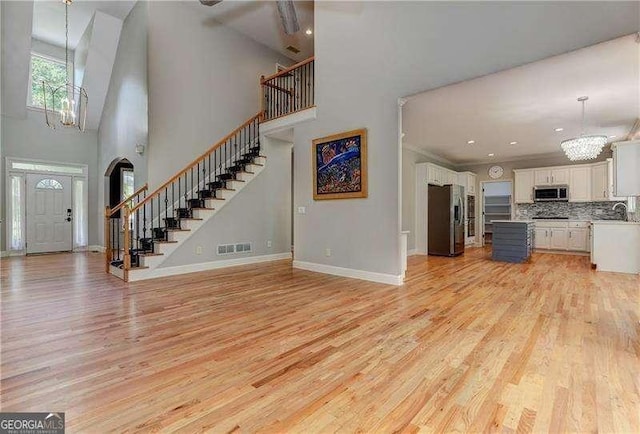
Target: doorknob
{"type": "Point", "coordinates": [68, 215]}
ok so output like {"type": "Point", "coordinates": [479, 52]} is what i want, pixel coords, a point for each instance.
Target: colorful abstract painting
{"type": "Point", "coordinates": [340, 166]}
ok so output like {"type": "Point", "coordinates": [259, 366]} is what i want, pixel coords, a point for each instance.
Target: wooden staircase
{"type": "Point", "coordinates": [143, 230]}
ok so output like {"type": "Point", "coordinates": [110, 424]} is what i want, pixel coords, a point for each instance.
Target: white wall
{"type": "Point", "coordinates": [103, 45]}
{"type": "Point", "coordinates": [32, 138]}
{"type": "Point", "coordinates": [260, 213]}
{"type": "Point", "coordinates": [124, 122]}
{"type": "Point", "coordinates": [203, 83]}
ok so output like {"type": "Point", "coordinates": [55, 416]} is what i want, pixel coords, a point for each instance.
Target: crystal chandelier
{"type": "Point", "coordinates": [584, 147]}
{"type": "Point", "coordinates": [68, 101]}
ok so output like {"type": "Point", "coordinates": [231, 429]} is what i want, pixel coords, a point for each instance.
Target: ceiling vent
{"type": "Point", "coordinates": [293, 49]}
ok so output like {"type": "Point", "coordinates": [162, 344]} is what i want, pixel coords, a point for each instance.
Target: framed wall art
{"type": "Point", "coordinates": [340, 166]}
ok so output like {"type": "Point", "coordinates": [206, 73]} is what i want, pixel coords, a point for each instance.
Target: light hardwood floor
{"type": "Point", "coordinates": [467, 345]}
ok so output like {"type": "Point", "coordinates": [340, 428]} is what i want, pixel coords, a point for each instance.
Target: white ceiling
{"type": "Point", "coordinates": [527, 103]}
{"type": "Point", "coordinates": [260, 21]}
{"type": "Point", "coordinates": [48, 18]}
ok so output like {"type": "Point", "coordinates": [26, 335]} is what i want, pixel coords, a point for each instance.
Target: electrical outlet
{"type": "Point", "coordinates": [327, 252]}
{"type": "Point", "coordinates": [302, 210]}
{"type": "Point", "coordinates": [198, 250]}
{"type": "Point", "coordinates": [269, 243]}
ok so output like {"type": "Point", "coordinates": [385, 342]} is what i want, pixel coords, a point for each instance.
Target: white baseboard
{"type": "Point", "coordinates": [412, 252]}
{"type": "Point", "coordinates": [96, 248]}
{"type": "Point", "coordinates": [144, 274]}
{"type": "Point", "coordinates": [4, 254]}
{"type": "Point", "coordinates": [350, 272]}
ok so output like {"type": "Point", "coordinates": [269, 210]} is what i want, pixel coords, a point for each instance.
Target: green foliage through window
{"type": "Point", "coordinates": [50, 71]}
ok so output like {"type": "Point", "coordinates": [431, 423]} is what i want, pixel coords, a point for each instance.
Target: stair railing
{"type": "Point", "coordinates": [150, 220]}
{"type": "Point", "coordinates": [288, 91]}
{"type": "Point", "coordinates": [113, 226]}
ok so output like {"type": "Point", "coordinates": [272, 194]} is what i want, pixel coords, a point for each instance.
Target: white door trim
{"type": "Point", "coordinates": [10, 171]}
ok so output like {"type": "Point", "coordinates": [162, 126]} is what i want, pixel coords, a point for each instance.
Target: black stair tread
{"type": "Point", "coordinates": [189, 218]}
{"type": "Point", "coordinates": [215, 198]}
{"type": "Point", "coordinates": [205, 207]}
{"type": "Point", "coordinates": [151, 254]}
{"type": "Point", "coordinates": [177, 230]}
{"type": "Point", "coordinates": [226, 189]}
{"type": "Point", "coordinates": [137, 267]}
{"type": "Point", "coordinates": [165, 242]}
{"type": "Point", "coordinates": [257, 164]}
{"type": "Point", "coordinates": [245, 171]}
{"type": "Point", "coordinates": [236, 180]}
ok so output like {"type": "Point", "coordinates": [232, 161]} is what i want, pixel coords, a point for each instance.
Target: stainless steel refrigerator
{"type": "Point", "coordinates": [446, 220]}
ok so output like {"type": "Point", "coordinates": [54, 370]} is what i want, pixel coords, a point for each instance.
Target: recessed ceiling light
{"type": "Point", "coordinates": [491, 155]}
{"type": "Point", "coordinates": [613, 137]}
{"type": "Point", "coordinates": [471, 142]}
{"type": "Point", "coordinates": [309, 32]}
{"type": "Point", "coordinates": [513, 143]}
{"type": "Point", "coordinates": [557, 130]}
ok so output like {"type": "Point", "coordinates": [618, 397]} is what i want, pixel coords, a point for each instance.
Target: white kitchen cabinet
{"type": "Point", "coordinates": [626, 168]}
{"type": "Point", "coordinates": [452, 177]}
{"type": "Point", "coordinates": [551, 176]}
{"type": "Point", "coordinates": [435, 174]}
{"type": "Point", "coordinates": [610, 182]}
{"type": "Point", "coordinates": [580, 184]}
{"type": "Point", "coordinates": [541, 238]}
{"type": "Point", "coordinates": [559, 238]}
{"type": "Point", "coordinates": [468, 181]}
{"type": "Point", "coordinates": [578, 239]}
{"type": "Point", "coordinates": [560, 176]}
{"type": "Point", "coordinates": [600, 182]}
{"type": "Point", "coordinates": [523, 186]}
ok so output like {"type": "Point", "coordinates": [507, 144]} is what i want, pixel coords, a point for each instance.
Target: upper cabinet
{"type": "Point", "coordinates": [626, 168]}
{"type": "Point", "coordinates": [600, 182]}
{"type": "Point", "coordinates": [586, 182]}
{"type": "Point", "coordinates": [440, 176]}
{"type": "Point", "coordinates": [468, 181]}
{"type": "Point", "coordinates": [551, 176]}
{"type": "Point", "coordinates": [524, 182]}
{"type": "Point", "coordinates": [579, 183]}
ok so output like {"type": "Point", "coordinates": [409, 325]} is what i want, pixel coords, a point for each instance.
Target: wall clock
{"type": "Point", "coordinates": [496, 172]}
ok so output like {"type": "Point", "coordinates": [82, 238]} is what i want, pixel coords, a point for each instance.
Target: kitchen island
{"type": "Point", "coordinates": [512, 240]}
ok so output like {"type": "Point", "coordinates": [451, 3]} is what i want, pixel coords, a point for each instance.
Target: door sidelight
{"type": "Point", "coordinates": [68, 214]}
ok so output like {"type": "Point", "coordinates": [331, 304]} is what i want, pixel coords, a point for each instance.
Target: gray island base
{"type": "Point", "coordinates": [512, 240]}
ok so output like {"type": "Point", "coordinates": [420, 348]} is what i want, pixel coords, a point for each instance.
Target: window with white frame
{"type": "Point", "coordinates": [49, 70]}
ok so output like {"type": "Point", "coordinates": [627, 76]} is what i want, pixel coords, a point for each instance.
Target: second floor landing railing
{"type": "Point", "coordinates": [288, 91]}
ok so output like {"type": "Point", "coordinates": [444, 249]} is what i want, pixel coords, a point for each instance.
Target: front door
{"type": "Point", "coordinates": [49, 227]}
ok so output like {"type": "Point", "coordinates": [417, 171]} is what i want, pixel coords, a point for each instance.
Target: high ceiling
{"type": "Point", "coordinates": [260, 21]}
{"type": "Point", "coordinates": [526, 105]}
{"type": "Point", "coordinates": [48, 18]}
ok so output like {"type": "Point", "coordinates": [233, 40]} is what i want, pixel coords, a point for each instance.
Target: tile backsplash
{"type": "Point", "coordinates": [572, 210]}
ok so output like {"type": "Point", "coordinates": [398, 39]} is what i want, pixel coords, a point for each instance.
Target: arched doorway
{"type": "Point", "coordinates": [118, 182]}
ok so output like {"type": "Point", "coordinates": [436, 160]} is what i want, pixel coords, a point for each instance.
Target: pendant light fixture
{"type": "Point", "coordinates": [583, 147]}
{"type": "Point", "coordinates": [68, 102]}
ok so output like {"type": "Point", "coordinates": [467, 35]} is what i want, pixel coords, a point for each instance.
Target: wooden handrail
{"type": "Point", "coordinates": [287, 70]}
{"type": "Point", "coordinates": [196, 161]}
{"type": "Point", "coordinates": [121, 204]}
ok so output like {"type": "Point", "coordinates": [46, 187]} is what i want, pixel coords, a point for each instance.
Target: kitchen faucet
{"type": "Point", "coordinates": [625, 208]}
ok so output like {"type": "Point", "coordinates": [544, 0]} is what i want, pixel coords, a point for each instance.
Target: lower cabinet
{"type": "Point", "coordinates": [578, 240]}
{"type": "Point", "coordinates": [568, 236]}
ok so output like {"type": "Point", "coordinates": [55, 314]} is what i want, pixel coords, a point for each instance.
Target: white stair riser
{"type": "Point", "coordinates": [205, 214]}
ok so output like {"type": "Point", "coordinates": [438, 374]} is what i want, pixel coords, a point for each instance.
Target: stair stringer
{"type": "Point", "coordinates": [177, 238]}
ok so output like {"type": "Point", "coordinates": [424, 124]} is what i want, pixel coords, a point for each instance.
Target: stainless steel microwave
{"type": "Point", "coordinates": [554, 193]}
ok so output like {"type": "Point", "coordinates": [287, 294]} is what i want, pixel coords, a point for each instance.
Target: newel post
{"type": "Point", "coordinates": [107, 239]}
{"type": "Point", "coordinates": [127, 241]}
